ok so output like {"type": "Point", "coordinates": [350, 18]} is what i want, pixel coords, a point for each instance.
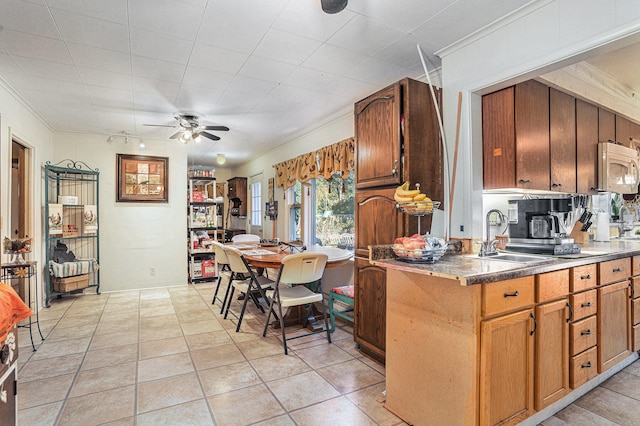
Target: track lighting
{"type": "Point", "coordinates": [126, 138]}
{"type": "Point", "coordinates": [221, 159]}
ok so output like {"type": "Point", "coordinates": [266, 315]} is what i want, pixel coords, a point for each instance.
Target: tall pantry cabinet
{"type": "Point", "coordinates": [397, 140]}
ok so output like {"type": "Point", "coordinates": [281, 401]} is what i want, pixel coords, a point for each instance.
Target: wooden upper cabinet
{"type": "Point", "coordinates": [377, 219]}
{"type": "Point", "coordinates": [626, 130]}
{"type": "Point", "coordinates": [532, 135]}
{"type": "Point", "coordinates": [515, 135]}
{"type": "Point", "coordinates": [606, 125]}
{"type": "Point", "coordinates": [377, 133]}
{"type": "Point", "coordinates": [586, 147]}
{"type": "Point", "coordinates": [562, 141]}
{"type": "Point", "coordinates": [397, 139]}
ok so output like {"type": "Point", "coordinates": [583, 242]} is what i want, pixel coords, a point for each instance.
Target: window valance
{"type": "Point", "coordinates": [328, 160]}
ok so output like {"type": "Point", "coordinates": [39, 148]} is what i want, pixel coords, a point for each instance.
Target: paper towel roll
{"type": "Point", "coordinates": [602, 227]}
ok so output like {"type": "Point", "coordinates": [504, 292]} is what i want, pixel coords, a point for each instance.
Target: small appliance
{"type": "Point", "coordinates": [617, 168]}
{"type": "Point", "coordinates": [537, 226]}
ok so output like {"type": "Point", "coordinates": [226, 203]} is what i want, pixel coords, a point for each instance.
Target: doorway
{"type": "Point", "coordinates": [20, 190]}
{"type": "Point", "coordinates": [255, 205]}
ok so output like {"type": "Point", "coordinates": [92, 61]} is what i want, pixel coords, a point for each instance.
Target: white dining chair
{"type": "Point", "coordinates": [245, 280]}
{"type": "Point", "coordinates": [296, 272]}
{"type": "Point", "coordinates": [245, 239]}
{"type": "Point", "coordinates": [224, 271]}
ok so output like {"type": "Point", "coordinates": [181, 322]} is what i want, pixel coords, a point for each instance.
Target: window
{"type": "Point", "coordinates": [333, 203]}
{"type": "Point", "coordinates": [295, 212]}
{"type": "Point", "coordinates": [256, 203]}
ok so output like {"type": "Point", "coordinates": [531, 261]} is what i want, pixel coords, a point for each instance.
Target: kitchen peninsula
{"type": "Point", "coordinates": [483, 341]}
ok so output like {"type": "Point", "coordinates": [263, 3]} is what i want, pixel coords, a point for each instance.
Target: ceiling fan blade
{"type": "Point", "coordinates": [210, 136]}
{"type": "Point", "coordinates": [218, 128]}
{"type": "Point", "coordinates": [175, 135]}
{"type": "Point", "coordinates": [158, 125]}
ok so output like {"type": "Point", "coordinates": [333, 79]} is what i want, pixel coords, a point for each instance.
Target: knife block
{"type": "Point", "coordinates": [579, 236]}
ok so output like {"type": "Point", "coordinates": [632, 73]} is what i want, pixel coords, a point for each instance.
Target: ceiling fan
{"type": "Point", "coordinates": [190, 128]}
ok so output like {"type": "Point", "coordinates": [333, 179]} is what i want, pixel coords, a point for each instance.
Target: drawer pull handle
{"type": "Point", "coordinates": [570, 312]}
{"type": "Point", "coordinates": [586, 305]}
{"type": "Point", "coordinates": [587, 365]}
{"type": "Point", "coordinates": [511, 294]}
{"type": "Point", "coordinates": [633, 290]}
{"type": "Point", "coordinates": [586, 333]}
{"type": "Point", "coordinates": [525, 181]}
{"type": "Point", "coordinates": [615, 270]}
{"type": "Point", "coordinates": [585, 277]}
{"type": "Point", "coordinates": [535, 324]}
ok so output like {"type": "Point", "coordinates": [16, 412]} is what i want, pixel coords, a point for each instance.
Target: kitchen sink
{"type": "Point", "coordinates": [513, 257]}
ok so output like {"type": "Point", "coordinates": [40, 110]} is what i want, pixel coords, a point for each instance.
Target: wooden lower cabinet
{"type": "Point", "coordinates": [614, 324]}
{"type": "Point", "coordinates": [370, 308]}
{"type": "Point", "coordinates": [506, 368]}
{"type": "Point", "coordinates": [583, 367]}
{"type": "Point", "coordinates": [551, 353]}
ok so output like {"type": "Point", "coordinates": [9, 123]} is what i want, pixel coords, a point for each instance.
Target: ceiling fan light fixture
{"type": "Point", "coordinates": [185, 136]}
{"type": "Point", "coordinates": [221, 159]}
{"type": "Point", "coordinates": [333, 6]}
{"type": "Point", "coordinates": [196, 137]}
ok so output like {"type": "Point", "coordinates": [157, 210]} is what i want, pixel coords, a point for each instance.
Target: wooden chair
{"type": "Point", "coordinates": [244, 279]}
{"type": "Point", "coordinates": [297, 270]}
{"type": "Point", "coordinates": [342, 294]}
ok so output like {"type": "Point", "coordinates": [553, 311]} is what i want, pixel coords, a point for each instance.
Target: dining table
{"type": "Point", "coordinates": [269, 256]}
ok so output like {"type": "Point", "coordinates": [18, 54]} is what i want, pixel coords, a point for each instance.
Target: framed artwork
{"type": "Point", "coordinates": [142, 179]}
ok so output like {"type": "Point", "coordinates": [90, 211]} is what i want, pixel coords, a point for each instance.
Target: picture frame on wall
{"type": "Point", "coordinates": [142, 179]}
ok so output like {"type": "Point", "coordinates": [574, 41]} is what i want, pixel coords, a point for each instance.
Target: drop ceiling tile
{"type": "Point", "coordinates": [107, 96]}
{"type": "Point", "coordinates": [17, 80]}
{"type": "Point", "coordinates": [365, 35]}
{"type": "Point", "coordinates": [307, 19]}
{"type": "Point", "coordinates": [217, 59]}
{"type": "Point", "coordinates": [151, 102]}
{"type": "Point", "coordinates": [112, 10]}
{"type": "Point", "coordinates": [94, 57]}
{"type": "Point", "coordinates": [404, 52]}
{"type": "Point", "coordinates": [176, 18]}
{"type": "Point", "coordinates": [34, 46]}
{"type": "Point", "coordinates": [159, 46]}
{"type": "Point", "coordinates": [57, 86]}
{"type": "Point", "coordinates": [395, 15]}
{"type": "Point", "coordinates": [334, 59]}
{"type": "Point", "coordinates": [202, 77]}
{"type": "Point", "coordinates": [156, 69]}
{"type": "Point", "coordinates": [236, 103]}
{"type": "Point", "coordinates": [266, 69]}
{"type": "Point", "coordinates": [39, 22]}
{"type": "Point", "coordinates": [47, 69]}
{"type": "Point", "coordinates": [198, 99]}
{"type": "Point", "coordinates": [231, 32]}
{"type": "Point", "coordinates": [7, 64]}
{"type": "Point", "coordinates": [91, 31]}
{"type": "Point", "coordinates": [167, 89]}
{"type": "Point", "coordinates": [258, 11]}
{"type": "Point", "coordinates": [113, 80]}
{"type": "Point", "coordinates": [66, 101]}
{"type": "Point", "coordinates": [327, 83]}
{"type": "Point", "coordinates": [377, 72]}
{"type": "Point", "coordinates": [250, 86]}
{"type": "Point", "coordinates": [286, 47]}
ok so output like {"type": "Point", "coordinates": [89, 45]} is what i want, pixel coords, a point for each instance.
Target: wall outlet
{"type": "Point", "coordinates": [461, 228]}
{"type": "Point", "coordinates": [152, 271]}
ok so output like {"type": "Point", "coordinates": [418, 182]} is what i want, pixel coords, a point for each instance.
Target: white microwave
{"type": "Point", "coordinates": [617, 168]}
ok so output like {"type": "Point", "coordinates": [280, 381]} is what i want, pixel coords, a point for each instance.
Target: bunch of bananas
{"type": "Point", "coordinates": [412, 198]}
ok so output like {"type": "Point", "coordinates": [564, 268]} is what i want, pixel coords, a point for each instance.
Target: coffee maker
{"type": "Point", "coordinates": [537, 226]}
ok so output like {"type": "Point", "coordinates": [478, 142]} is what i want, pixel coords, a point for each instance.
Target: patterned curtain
{"type": "Point", "coordinates": [336, 158]}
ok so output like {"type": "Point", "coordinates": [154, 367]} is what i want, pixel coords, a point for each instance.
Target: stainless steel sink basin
{"type": "Point", "coordinates": [513, 257]}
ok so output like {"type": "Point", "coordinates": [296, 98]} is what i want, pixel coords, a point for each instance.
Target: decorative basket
{"type": "Point", "coordinates": [76, 282]}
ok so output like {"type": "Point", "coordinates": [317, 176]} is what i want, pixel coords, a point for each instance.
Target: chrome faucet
{"type": "Point", "coordinates": [488, 247]}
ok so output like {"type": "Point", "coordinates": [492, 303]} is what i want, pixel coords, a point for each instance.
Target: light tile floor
{"type": "Point", "coordinates": [166, 356]}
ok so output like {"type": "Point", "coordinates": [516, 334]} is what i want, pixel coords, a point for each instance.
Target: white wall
{"type": "Point", "coordinates": [540, 38]}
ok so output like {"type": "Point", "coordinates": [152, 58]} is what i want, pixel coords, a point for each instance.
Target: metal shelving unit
{"type": "Point", "coordinates": [71, 216]}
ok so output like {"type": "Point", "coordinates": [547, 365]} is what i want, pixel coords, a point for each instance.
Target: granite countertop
{"type": "Point", "coordinates": [469, 269]}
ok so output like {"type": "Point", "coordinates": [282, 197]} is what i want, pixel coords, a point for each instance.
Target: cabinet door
{"type": "Point", "coordinates": [377, 135]}
{"type": "Point", "coordinates": [498, 139]}
{"type": "Point", "coordinates": [606, 125]}
{"type": "Point", "coordinates": [562, 141]}
{"type": "Point", "coordinates": [532, 135]}
{"type": "Point", "coordinates": [614, 324]}
{"type": "Point", "coordinates": [626, 130]}
{"type": "Point", "coordinates": [377, 219]}
{"type": "Point", "coordinates": [586, 147]}
{"type": "Point", "coordinates": [552, 353]}
{"type": "Point", "coordinates": [506, 368]}
{"type": "Point", "coordinates": [370, 299]}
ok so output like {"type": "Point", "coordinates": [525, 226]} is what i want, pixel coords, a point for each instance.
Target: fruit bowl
{"type": "Point", "coordinates": [419, 255]}
{"type": "Point", "coordinates": [418, 208]}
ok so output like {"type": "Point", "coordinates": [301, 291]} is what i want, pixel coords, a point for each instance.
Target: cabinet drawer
{"type": "Point", "coordinates": [635, 265]}
{"type": "Point", "coordinates": [508, 295]}
{"type": "Point", "coordinates": [552, 285]}
{"type": "Point", "coordinates": [614, 270]}
{"type": "Point", "coordinates": [635, 287]}
{"type": "Point", "coordinates": [584, 304]}
{"type": "Point", "coordinates": [635, 311]}
{"type": "Point", "coordinates": [636, 337]}
{"type": "Point", "coordinates": [582, 334]}
{"type": "Point", "coordinates": [582, 368]}
{"type": "Point", "coordinates": [583, 278]}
